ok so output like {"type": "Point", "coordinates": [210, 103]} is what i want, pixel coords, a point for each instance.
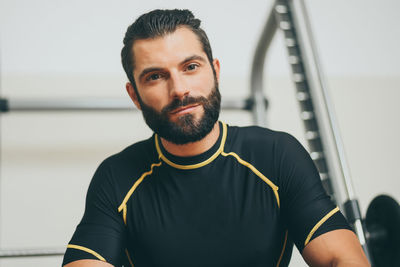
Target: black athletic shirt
{"type": "Point", "coordinates": [241, 203]}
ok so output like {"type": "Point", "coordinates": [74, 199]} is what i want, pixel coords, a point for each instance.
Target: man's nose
{"type": "Point", "coordinates": [178, 86]}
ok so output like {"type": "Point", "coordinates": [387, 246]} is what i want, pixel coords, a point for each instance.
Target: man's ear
{"type": "Point", "coordinates": [216, 67]}
{"type": "Point", "coordinates": [132, 94]}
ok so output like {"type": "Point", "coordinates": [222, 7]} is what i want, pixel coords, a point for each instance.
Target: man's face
{"type": "Point", "coordinates": [178, 90]}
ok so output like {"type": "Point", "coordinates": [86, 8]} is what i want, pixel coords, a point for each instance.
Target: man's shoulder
{"type": "Point", "coordinates": [131, 161]}
{"type": "Point", "coordinates": [134, 154]}
{"type": "Point", "coordinates": [259, 144]}
{"type": "Point", "coordinates": [256, 135]}
{"type": "Point", "coordinates": [119, 172]}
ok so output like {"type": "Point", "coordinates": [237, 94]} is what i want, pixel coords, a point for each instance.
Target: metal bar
{"type": "Point", "coordinates": [90, 104]}
{"type": "Point", "coordinates": [327, 108]}
{"type": "Point", "coordinates": [234, 104]}
{"type": "Point", "coordinates": [257, 69]}
{"type": "Point", "coordinates": [78, 104]}
{"type": "Point", "coordinates": [301, 78]}
{"type": "Point", "coordinates": [18, 253]}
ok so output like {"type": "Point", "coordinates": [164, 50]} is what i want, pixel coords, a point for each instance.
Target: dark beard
{"type": "Point", "coordinates": [186, 129]}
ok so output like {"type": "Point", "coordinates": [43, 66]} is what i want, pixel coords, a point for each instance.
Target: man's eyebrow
{"type": "Point", "coordinates": [194, 57]}
{"type": "Point", "coordinates": [147, 70]}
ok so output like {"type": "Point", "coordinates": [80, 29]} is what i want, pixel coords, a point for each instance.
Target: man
{"type": "Point", "coordinates": [199, 192]}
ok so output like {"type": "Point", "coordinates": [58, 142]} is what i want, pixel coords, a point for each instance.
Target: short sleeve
{"type": "Point", "coordinates": [101, 233]}
{"type": "Point", "coordinates": [305, 207]}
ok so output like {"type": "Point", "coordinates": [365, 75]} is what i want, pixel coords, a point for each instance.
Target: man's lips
{"type": "Point", "coordinates": [184, 109]}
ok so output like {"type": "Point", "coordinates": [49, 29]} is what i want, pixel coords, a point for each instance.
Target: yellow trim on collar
{"type": "Point", "coordinates": [198, 165]}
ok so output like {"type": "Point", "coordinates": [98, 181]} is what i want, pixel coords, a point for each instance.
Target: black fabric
{"type": "Point", "coordinates": [219, 214]}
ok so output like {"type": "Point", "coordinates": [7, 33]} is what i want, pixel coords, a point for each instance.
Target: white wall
{"type": "Point", "coordinates": [62, 49]}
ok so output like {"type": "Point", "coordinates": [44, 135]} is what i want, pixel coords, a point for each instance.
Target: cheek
{"type": "Point", "coordinates": [157, 99]}
{"type": "Point", "coordinates": [202, 83]}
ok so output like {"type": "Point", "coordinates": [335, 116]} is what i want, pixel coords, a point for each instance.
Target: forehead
{"type": "Point", "coordinates": [171, 48]}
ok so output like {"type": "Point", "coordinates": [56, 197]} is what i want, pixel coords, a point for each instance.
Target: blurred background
{"type": "Point", "coordinates": [68, 49]}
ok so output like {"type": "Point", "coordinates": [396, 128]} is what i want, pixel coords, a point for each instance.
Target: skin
{"type": "Point", "coordinates": [88, 263]}
{"type": "Point", "coordinates": [175, 65]}
{"type": "Point", "coordinates": [335, 248]}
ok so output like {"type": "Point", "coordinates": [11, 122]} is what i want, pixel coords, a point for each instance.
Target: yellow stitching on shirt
{"type": "Point", "coordinates": [315, 228]}
{"type": "Point", "coordinates": [256, 172]}
{"type": "Point", "coordinates": [128, 195]}
{"type": "Point", "coordinates": [129, 257]}
{"type": "Point", "coordinates": [124, 214]}
{"type": "Point", "coordinates": [88, 250]}
{"type": "Point", "coordinates": [283, 250]}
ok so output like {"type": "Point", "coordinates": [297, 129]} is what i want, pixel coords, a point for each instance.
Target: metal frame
{"type": "Point", "coordinates": [17, 253]}
{"type": "Point", "coordinates": [322, 131]}
{"type": "Point", "coordinates": [90, 104]}
{"type": "Point", "coordinates": [257, 70]}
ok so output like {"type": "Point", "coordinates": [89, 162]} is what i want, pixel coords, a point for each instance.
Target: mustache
{"type": "Point", "coordinates": [187, 100]}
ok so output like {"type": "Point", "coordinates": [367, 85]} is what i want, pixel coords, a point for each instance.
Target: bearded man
{"type": "Point", "coordinates": [199, 192]}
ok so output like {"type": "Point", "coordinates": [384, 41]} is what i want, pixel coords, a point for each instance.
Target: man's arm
{"type": "Point", "coordinates": [336, 248]}
{"type": "Point", "coordinates": [317, 227]}
{"type": "Point", "coordinates": [88, 263]}
{"type": "Point", "coordinates": [101, 234]}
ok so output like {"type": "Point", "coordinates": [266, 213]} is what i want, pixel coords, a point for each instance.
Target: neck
{"type": "Point", "coordinates": [195, 148]}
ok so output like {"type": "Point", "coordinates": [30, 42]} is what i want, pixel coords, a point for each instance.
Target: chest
{"type": "Point", "coordinates": [204, 217]}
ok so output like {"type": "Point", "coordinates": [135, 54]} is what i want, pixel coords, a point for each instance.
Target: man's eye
{"type": "Point", "coordinates": [191, 67]}
{"type": "Point", "coordinates": [153, 77]}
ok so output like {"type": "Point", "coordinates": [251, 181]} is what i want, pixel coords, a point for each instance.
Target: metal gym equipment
{"type": "Point", "coordinates": [322, 134]}
{"type": "Point", "coordinates": [381, 236]}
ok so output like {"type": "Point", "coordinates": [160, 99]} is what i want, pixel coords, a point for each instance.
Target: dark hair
{"type": "Point", "coordinates": [158, 23]}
